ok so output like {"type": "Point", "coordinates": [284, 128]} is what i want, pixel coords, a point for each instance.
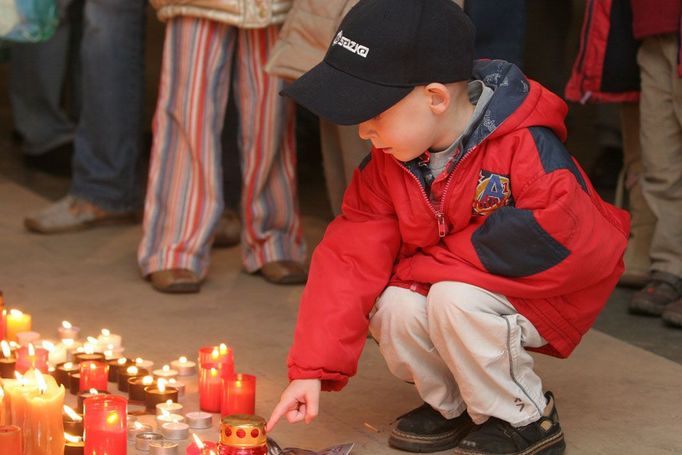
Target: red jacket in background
{"type": "Point", "coordinates": [655, 17]}
{"type": "Point", "coordinates": [517, 217]}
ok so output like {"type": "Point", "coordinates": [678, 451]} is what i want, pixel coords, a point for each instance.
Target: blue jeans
{"type": "Point", "coordinates": [108, 137]}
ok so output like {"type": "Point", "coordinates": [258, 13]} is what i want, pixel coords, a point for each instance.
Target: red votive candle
{"type": "Point", "coordinates": [210, 387]}
{"type": "Point", "coordinates": [104, 420]}
{"type": "Point", "coordinates": [239, 395]}
{"type": "Point", "coordinates": [10, 440]}
{"type": "Point", "coordinates": [221, 355]}
{"type": "Point", "coordinates": [94, 375]}
{"type": "Point", "coordinates": [199, 447]}
{"type": "Point", "coordinates": [31, 357]}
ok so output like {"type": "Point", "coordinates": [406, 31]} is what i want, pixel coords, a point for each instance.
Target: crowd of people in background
{"type": "Point", "coordinates": [629, 56]}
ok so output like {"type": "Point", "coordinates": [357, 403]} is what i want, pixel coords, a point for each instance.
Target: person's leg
{"type": "Point", "coordinates": [661, 140]}
{"type": "Point", "coordinates": [482, 340]}
{"type": "Point", "coordinates": [271, 230]}
{"type": "Point", "coordinates": [399, 324]}
{"type": "Point", "coordinates": [184, 195]}
{"type": "Point", "coordinates": [108, 136]}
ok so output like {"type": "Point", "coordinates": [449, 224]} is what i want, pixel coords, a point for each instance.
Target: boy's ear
{"type": "Point", "coordinates": [439, 97]}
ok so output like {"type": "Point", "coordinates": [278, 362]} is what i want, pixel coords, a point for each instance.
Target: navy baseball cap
{"type": "Point", "coordinates": [381, 51]}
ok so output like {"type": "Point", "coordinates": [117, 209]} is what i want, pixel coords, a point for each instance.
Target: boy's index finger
{"type": "Point", "coordinates": [277, 413]}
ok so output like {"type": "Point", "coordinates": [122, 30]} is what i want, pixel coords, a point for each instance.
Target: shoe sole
{"type": "Point", "coordinates": [423, 444]}
{"type": "Point", "coordinates": [33, 226]}
{"type": "Point", "coordinates": [672, 320]}
{"type": "Point", "coordinates": [556, 445]}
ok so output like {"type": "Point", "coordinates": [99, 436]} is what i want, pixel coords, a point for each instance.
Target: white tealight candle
{"type": "Point", "coordinates": [66, 330]}
{"type": "Point", "coordinates": [107, 338]}
{"type": "Point", "coordinates": [166, 418]}
{"type": "Point", "coordinates": [136, 428]}
{"type": "Point", "coordinates": [178, 385]}
{"type": "Point", "coordinates": [142, 363]}
{"type": "Point", "coordinates": [199, 420]}
{"type": "Point", "coordinates": [168, 407]}
{"type": "Point", "coordinates": [163, 448]}
{"type": "Point", "coordinates": [175, 430]}
{"type": "Point", "coordinates": [165, 372]}
{"type": "Point", "coordinates": [24, 338]}
{"type": "Point", "coordinates": [142, 440]}
{"type": "Point", "coordinates": [184, 367]}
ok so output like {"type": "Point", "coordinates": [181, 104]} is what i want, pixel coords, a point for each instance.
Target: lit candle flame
{"type": "Point", "coordinates": [121, 361]}
{"type": "Point", "coordinates": [68, 342]}
{"type": "Point", "coordinates": [92, 340]}
{"type": "Point", "coordinates": [93, 366]}
{"type": "Point", "coordinates": [215, 353]}
{"type": "Point", "coordinates": [211, 452]}
{"type": "Point", "coordinates": [108, 354]}
{"type": "Point", "coordinates": [169, 402]}
{"type": "Point", "coordinates": [214, 372]}
{"type": "Point", "coordinates": [66, 324]}
{"type": "Point", "coordinates": [71, 438]}
{"type": "Point", "coordinates": [138, 425]}
{"type": "Point", "coordinates": [42, 386]}
{"type": "Point", "coordinates": [148, 380]}
{"type": "Point", "coordinates": [197, 440]}
{"type": "Point", "coordinates": [67, 366]}
{"type": "Point", "coordinates": [31, 350]}
{"type": "Point", "coordinates": [48, 345]}
{"type": "Point", "coordinates": [2, 394]}
{"type": "Point", "coordinates": [223, 348]}
{"type": "Point", "coordinates": [161, 385]}
{"type": "Point", "coordinates": [106, 332]}
{"type": "Point", "coordinates": [110, 347]}
{"type": "Point", "coordinates": [16, 313]}
{"type": "Point", "coordinates": [172, 381]}
{"type": "Point", "coordinates": [6, 352]}
{"type": "Point", "coordinates": [164, 412]}
{"type": "Point", "coordinates": [14, 345]}
{"type": "Point", "coordinates": [88, 348]}
{"type": "Point", "coordinates": [93, 391]}
{"type": "Point", "coordinates": [112, 418]}
{"type": "Point", "coordinates": [183, 359]}
{"type": "Point", "coordinates": [20, 378]}
{"type": "Point", "coordinates": [165, 368]}
{"type": "Point", "coordinates": [72, 414]}
{"type": "Point", "coordinates": [132, 370]}
{"type": "Point", "coordinates": [139, 360]}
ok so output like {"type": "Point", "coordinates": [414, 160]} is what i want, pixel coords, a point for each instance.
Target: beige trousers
{"type": "Point", "coordinates": [463, 348]}
{"type": "Point", "coordinates": [661, 139]}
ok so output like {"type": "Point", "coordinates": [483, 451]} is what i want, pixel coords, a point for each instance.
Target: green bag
{"type": "Point", "coordinates": [28, 21]}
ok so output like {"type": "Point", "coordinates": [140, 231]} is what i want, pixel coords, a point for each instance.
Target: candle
{"type": "Point", "coordinates": [73, 422]}
{"type": "Point", "coordinates": [221, 355]}
{"type": "Point", "coordinates": [17, 322]}
{"type": "Point", "coordinates": [239, 395]}
{"type": "Point", "coordinates": [36, 404]}
{"type": "Point", "coordinates": [210, 388]}
{"type": "Point", "coordinates": [11, 440]}
{"type": "Point", "coordinates": [105, 425]}
{"type": "Point", "coordinates": [111, 352]}
{"type": "Point", "coordinates": [127, 373]}
{"type": "Point", "coordinates": [166, 417]}
{"type": "Point", "coordinates": [24, 338]}
{"type": "Point", "coordinates": [71, 346]}
{"type": "Point", "coordinates": [115, 366]}
{"type": "Point", "coordinates": [159, 394]}
{"type": "Point", "coordinates": [199, 420]}
{"type": "Point", "coordinates": [135, 428]}
{"type": "Point", "coordinates": [137, 386]}
{"type": "Point", "coordinates": [178, 431]}
{"type": "Point", "coordinates": [75, 381]}
{"type": "Point", "coordinates": [145, 364]}
{"type": "Point", "coordinates": [165, 372]}
{"type": "Point", "coordinates": [169, 407]}
{"type": "Point", "coordinates": [163, 448]}
{"type": "Point", "coordinates": [94, 375]}
{"type": "Point", "coordinates": [142, 440]}
{"type": "Point", "coordinates": [178, 385]}
{"type": "Point", "coordinates": [108, 338]}
{"type": "Point", "coordinates": [66, 330]}
{"type": "Point", "coordinates": [184, 367]}
{"type": "Point", "coordinates": [56, 353]}
{"type": "Point", "coordinates": [74, 445]}
{"type": "Point", "coordinates": [84, 395]}
{"type": "Point", "coordinates": [85, 356]}
{"type": "Point", "coordinates": [243, 435]}
{"type": "Point", "coordinates": [7, 361]}
{"type": "Point", "coordinates": [31, 357]}
{"type": "Point", "coordinates": [199, 447]}
{"type": "Point", "coordinates": [62, 371]}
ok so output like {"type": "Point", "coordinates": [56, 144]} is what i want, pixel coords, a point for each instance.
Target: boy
{"type": "Point", "coordinates": [468, 237]}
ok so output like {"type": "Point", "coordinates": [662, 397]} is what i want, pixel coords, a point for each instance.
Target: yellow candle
{"type": "Point", "coordinates": [17, 322]}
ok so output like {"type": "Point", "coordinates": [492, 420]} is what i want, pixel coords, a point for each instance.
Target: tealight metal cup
{"type": "Point", "coordinates": [144, 439]}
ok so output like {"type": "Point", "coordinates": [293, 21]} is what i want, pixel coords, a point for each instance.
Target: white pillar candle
{"type": "Point", "coordinates": [106, 338]}
{"type": "Point", "coordinates": [66, 330]}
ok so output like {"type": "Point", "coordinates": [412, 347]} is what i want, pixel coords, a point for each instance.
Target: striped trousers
{"type": "Point", "coordinates": [184, 195]}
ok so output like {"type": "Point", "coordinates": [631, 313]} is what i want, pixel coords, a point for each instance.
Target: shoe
{"type": "Point", "coordinates": [672, 314]}
{"type": "Point", "coordinates": [56, 161]}
{"type": "Point", "coordinates": [663, 289]}
{"type": "Point", "coordinates": [496, 436]}
{"type": "Point", "coordinates": [175, 281]}
{"type": "Point", "coordinates": [284, 272]}
{"type": "Point", "coordinates": [228, 231]}
{"type": "Point", "coordinates": [425, 430]}
{"type": "Point", "coordinates": [73, 214]}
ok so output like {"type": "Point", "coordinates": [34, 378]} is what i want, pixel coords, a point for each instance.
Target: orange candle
{"type": "Point", "coordinates": [10, 440]}
{"type": "Point", "coordinates": [17, 322]}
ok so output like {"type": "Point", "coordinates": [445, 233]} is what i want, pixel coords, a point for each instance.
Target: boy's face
{"type": "Point", "coordinates": [406, 129]}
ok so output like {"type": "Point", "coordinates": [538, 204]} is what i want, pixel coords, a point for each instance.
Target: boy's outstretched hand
{"type": "Point", "coordinates": [299, 401]}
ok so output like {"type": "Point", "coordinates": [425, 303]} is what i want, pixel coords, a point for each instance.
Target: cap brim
{"type": "Point", "coordinates": [342, 98]}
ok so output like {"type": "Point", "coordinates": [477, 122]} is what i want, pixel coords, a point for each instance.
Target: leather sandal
{"type": "Point", "coordinates": [284, 272]}
{"type": "Point", "coordinates": [175, 281]}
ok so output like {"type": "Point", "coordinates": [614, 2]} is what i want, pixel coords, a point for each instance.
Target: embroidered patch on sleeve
{"type": "Point", "coordinates": [492, 192]}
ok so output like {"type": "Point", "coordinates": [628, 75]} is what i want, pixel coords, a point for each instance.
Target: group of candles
{"type": "Point", "coordinates": [35, 421]}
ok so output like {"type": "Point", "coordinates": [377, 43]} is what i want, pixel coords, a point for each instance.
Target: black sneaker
{"type": "Point", "coordinates": [496, 436]}
{"type": "Point", "coordinates": [425, 430]}
{"type": "Point", "coordinates": [663, 289]}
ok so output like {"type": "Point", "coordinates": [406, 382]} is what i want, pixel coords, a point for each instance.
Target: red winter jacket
{"type": "Point", "coordinates": [517, 216]}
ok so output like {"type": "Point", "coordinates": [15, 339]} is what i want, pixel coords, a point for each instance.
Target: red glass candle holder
{"type": "Point", "coordinates": [94, 375]}
{"type": "Point", "coordinates": [210, 387]}
{"type": "Point", "coordinates": [104, 422]}
{"type": "Point", "coordinates": [239, 395]}
{"type": "Point", "coordinates": [10, 440]}
{"type": "Point", "coordinates": [221, 355]}
{"type": "Point", "coordinates": [30, 357]}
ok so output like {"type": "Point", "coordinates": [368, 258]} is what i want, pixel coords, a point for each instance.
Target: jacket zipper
{"type": "Point", "coordinates": [440, 214]}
